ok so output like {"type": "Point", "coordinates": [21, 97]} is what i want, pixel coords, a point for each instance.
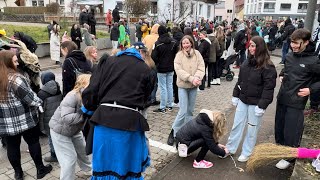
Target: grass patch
{"type": "Point", "coordinates": [40, 34]}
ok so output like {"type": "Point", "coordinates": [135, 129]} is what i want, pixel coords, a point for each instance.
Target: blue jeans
{"type": "Point", "coordinates": [285, 50]}
{"type": "Point", "coordinates": [165, 81]}
{"type": "Point", "coordinates": [245, 114]}
{"type": "Point", "coordinates": [187, 100]}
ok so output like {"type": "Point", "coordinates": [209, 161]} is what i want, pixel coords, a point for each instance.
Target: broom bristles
{"type": "Point", "coordinates": [266, 153]}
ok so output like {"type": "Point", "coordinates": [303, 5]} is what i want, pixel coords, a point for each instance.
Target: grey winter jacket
{"type": "Point", "coordinates": [214, 48]}
{"type": "Point", "coordinates": [67, 120]}
{"type": "Point", "coordinates": [51, 95]}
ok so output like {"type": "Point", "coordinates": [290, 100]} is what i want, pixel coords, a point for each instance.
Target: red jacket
{"type": "Point", "coordinates": [108, 18]}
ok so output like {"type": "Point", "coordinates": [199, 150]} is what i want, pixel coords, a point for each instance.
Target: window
{"type": "Point", "coordinates": [219, 18]}
{"type": "Point", "coordinates": [302, 7]}
{"type": "Point", "coordinates": [251, 8]}
{"type": "Point", "coordinates": [192, 8]}
{"type": "Point", "coordinates": [200, 9]}
{"type": "Point", "coordinates": [34, 3]}
{"type": "Point", "coordinates": [255, 8]}
{"type": "Point", "coordinates": [259, 7]}
{"type": "Point", "coordinates": [269, 7]}
{"type": "Point", "coordinates": [61, 2]}
{"type": "Point", "coordinates": [247, 10]}
{"type": "Point", "coordinates": [285, 7]}
{"type": "Point", "coordinates": [181, 9]}
{"type": "Point", "coordinates": [120, 5]}
{"type": "Point", "coordinates": [154, 7]}
{"type": "Point", "coordinates": [40, 3]}
{"type": "Point", "coordinates": [208, 11]}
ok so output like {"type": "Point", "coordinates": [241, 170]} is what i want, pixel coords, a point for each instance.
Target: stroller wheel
{"type": "Point", "coordinates": [229, 77]}
{"type": "Point", "coordinates": [232, 73]}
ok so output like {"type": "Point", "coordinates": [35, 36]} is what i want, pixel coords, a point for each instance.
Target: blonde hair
{"type": "Point", "coordinates": [88, 51]}
{"type": "Point", "coordinates": [219, 125]}
{"type": "Point", "coordinates": [220, 34]}
{"type": "Point", "coordinates": [82, 81]}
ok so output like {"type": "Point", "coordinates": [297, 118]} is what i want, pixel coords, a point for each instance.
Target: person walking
{"type": "Point", "coordinates": [19, 116]}
{"type": "Point", "coordinates": [190, 69]}
{"type": "Point", "coordinates": [163, 55]}
{"type": "Point", "coordinates": [251, 95]}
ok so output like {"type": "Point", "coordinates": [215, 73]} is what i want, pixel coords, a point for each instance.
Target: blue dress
{"type": "Point", "coordinates": [119, 154]}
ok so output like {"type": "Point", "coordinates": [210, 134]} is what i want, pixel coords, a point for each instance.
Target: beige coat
{"type": "Point", "coordinates": [187, 68]}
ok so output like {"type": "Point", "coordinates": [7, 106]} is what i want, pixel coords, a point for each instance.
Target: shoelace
{"type": "Point", "coordinates": [235, 164]}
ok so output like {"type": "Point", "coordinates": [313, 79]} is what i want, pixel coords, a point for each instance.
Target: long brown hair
{"type": "Point", "coordinates": [261, 54]}
{"type": "Point", "coordinates": [6, 65]}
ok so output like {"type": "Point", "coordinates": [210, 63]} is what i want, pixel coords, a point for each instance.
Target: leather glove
{"type": "Point", "coordinates": [258, 112]}
{"type": "Point", "coordinates": [235, 101]}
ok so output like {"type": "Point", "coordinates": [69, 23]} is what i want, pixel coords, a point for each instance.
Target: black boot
{"type": "Point", "coordinates": [170, 138]}
{"type": "Point", "coordinates": [43, 171]}
{"type": "Point", "coordinates": [18, 175]}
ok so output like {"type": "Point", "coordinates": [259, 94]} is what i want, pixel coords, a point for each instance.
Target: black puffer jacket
{"type": "Point", "coordinates": [27, 40]}
{"type": "Point", "coordinates": [114, 35]}
{"type": "Point", "coordinates": [164, 52]}
{"type": "Point", "coordinates": [255, 86]}
{"type": "Point", "coordinates": [83, 18]}
{"type": "Point", "coordinates": [298, 73]}
{"type": "Point", "coordinates": [204, 49]}
{"type": "Point", "coordinates": [75, 60]}
{"type": "Point", "coordinates": [288, 30]}
{"type": "Point", "coordinates": [240, 40]}
{"type": "Point", "coordinates": [199, 128]}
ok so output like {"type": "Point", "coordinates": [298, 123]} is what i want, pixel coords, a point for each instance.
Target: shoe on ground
{"type": "Point", "coordinates": [218, 81]}
{"type": "Point", "coordinates": [170, 140]}
{"type": "Point", "coordinates": [50, 159]}
{"type": "Point", "coordinates": [160, 110]}
{"type": "Point", "coordinates": [282, 164]}
{"type": "Point", "coordinates": [58, 63]}
{"type": "Point", "coordinates": [169, 109]}
{"type": "Point", "coordinates": [202, 164]}
{"type": "Point", "coordinates": [183, 150]}
{"type": "Point", "coordinates": [175, 105]}
{"type": "Point", "coordinates": [213, 82]}
{"type": "Point", "coordinates": [43, 171]}
{"type": "Point", "coordinates": [243, 158]}
{"type": "Point", "coordinates": [18, 175]}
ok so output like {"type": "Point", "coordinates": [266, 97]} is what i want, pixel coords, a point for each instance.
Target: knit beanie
{"type": "Point", "coordinates": [47, 76]}
{"type": "Point", "coordinates": [162, 30]}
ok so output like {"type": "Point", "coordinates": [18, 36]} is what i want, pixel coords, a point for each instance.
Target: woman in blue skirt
{"type": "Point", "coordinates": [118, 92]}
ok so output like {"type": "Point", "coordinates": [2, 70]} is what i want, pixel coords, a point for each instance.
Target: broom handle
{"type": "Point", "coordinates": [308, 153]}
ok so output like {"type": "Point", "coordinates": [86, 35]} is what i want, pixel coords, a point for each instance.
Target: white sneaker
{"type": "Point", "coordinates": [213, 82]}
{"type": "Point", "coordinates": [183, 150]}
{"type": "Point", "coordinates": [243, 158]}
{"type": "Point", "coordinates": [175, 105]}
{"type": "Point", "coordinates": [218, 81]}
{"type": "Point", "coordinates": [316, 163]}
{"type": "Point", "coordinates": [282, 164]}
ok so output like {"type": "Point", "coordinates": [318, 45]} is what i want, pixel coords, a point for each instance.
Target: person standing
{"type": "Point", "coordinates": [76, 35]}
{"type": "Point", "coordinates": [217, 67]}
{"type": "Point", "coordinates": [239, 45]}
{"type": "Point", "coordinates": [251, 95]}
{"type": "Point", "coordinates": [83, 17]}
{"type": "Point", "coordinates": [288, 30]}
{"type": "Point", "coordinates": [50, 27]}
{"type": "Point", "coordinates": [118, 93]}
{"type": "Point", "coordinates": [204, 49]}
{"type": "Point", "coordinates": [114, 36]}
{"type": "Point", "coordinates": [190, 69]}
{"type": "Point", "coordinates": [122, 35]}
{"type": "Point", "coordinates": [163, 53]}
{"type": "Point", "coordinates": [214, 50]}
{"type": "Point", "coordinates": [138, 30]}
{"type": "Point", "coordinates": [27, 40]}
{"type": "Point", "coordinates": [92, 22]}
{"type": "Point", "coordinates": [115, 14]}
{"type": "Point", "coordinates": [109, 20]}
{"type": "Point", "coordinates": [55, 44]}
{"type": "Point", "coordinates": [297, 83]}
{"type": "Point", "coordinates": [19, 116]}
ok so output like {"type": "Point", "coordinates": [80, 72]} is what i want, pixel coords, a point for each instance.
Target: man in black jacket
{"type": "Point", "coordinates": [83, 17]}
{"type": "Point", "coordinates": [138, 30]}
{"type": "Point", "coordinates": [27, 40]}
{"type": "Point", "coordinates": [240, 44]}
{"type": "Point", "coordinates": [204, 49]}
{"type": "Point", "coordinates": [115, 14]}
{"type": "Point", "coordinates": [288, 30]}
{"type": "Point", "coordinates": [163, 55]}
{"type": "Point", "coordinates": [297, 79]}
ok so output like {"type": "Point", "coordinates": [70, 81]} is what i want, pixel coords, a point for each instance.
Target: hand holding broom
{"type": "Point", "coordinates": [266, 153]}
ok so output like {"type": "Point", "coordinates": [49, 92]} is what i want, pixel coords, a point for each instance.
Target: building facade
{"type": "Point", "coordinates": [275, 9]}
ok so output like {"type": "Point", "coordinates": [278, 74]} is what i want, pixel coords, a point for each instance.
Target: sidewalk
{"type": "Point", "coordinates": [181, 168]}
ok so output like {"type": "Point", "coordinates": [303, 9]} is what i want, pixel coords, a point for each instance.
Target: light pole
{"type": "Point", "coordinates": [310, 14]}
{"type": "Point", "coordinates": [172, 11]}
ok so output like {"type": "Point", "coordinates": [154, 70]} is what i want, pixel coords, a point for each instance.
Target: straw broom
{"type": "Point", "coordinates": [266, 153]}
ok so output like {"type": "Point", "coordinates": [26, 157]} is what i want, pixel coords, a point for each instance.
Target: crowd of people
{"type": "Point", "coordinates": [102, 106]}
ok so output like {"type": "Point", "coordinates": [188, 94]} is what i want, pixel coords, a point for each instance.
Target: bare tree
{"type": "Point", "coordinates": [181, 11]}
{"type": "Point", "coordinates": [137, 7]}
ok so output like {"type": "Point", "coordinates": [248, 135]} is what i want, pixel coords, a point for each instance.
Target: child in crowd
{"type": "Point", "coordinates": [51, 96]}
{"type": "Point", "coordinates": [203, 131]}
{"type": "Point", "coordinates": [65, 129]}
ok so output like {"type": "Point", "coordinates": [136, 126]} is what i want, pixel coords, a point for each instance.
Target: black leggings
{"type": "Point", "coordinates": [175, 88]}
{"type": "Point", "coordinates": [194, 145]}
{"type": "Point", "coordinates": [31, 137]}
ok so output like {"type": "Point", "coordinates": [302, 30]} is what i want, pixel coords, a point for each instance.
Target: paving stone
{"type": "Point", "coordinates": [4, 177]}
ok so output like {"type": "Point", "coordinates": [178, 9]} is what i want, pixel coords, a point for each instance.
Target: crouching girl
{"type": "Point", "coordinates": [203, 131]}
{"type": "Point", "coordinates": [65, 129]}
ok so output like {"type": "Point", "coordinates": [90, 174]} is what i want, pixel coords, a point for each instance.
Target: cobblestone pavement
{"type": "Point", "coordinates": [217, 97]}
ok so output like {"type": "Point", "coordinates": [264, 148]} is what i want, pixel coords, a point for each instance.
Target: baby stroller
{"type": "Point", "coordinates": [226, 72]}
